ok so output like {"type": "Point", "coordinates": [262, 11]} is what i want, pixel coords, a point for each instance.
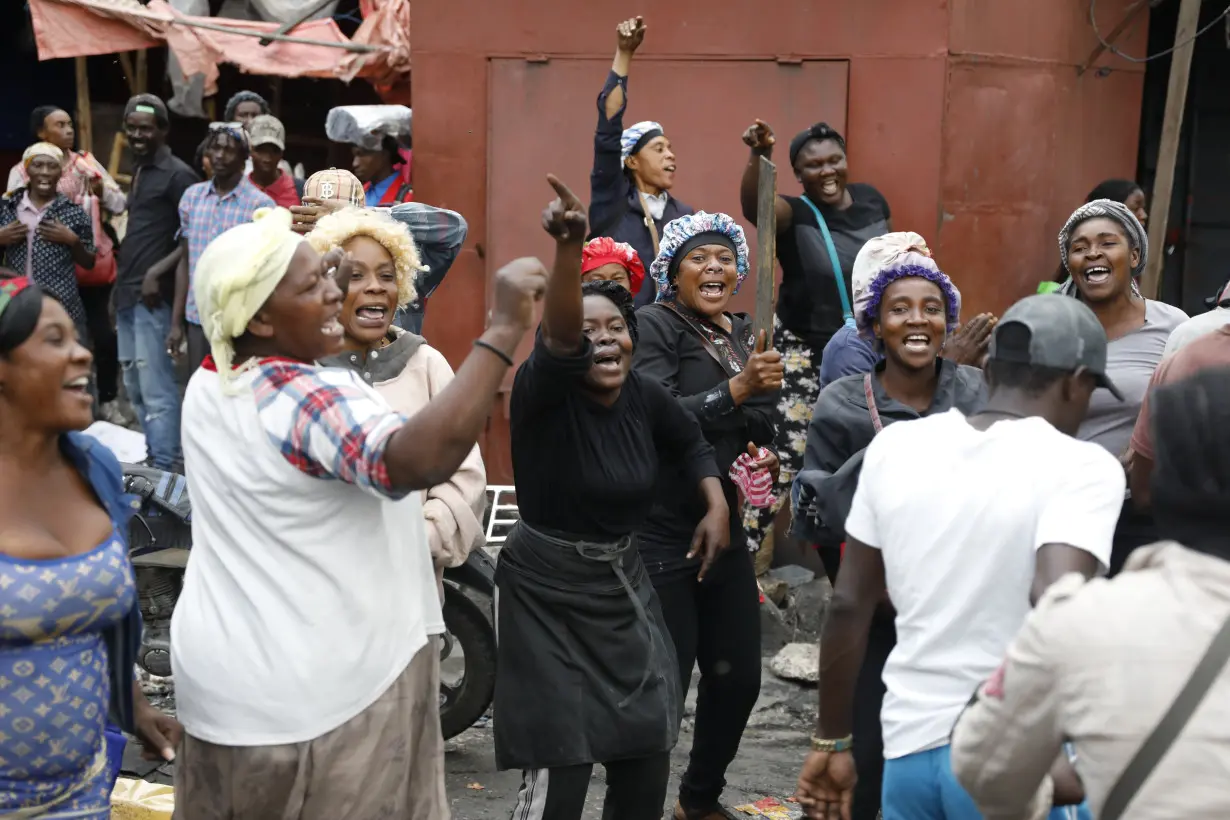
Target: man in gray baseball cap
{"type": "Point", "coordinates": [964, 521]}
{"type": "Point", "coordinates": [1050, 333]}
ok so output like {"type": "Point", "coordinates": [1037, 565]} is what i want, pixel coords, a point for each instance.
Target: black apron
{"type": "Point", "coordinates": [587, 670]}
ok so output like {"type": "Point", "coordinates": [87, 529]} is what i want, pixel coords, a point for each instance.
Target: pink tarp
{"type": "Point", "coordinates": [76, 28]}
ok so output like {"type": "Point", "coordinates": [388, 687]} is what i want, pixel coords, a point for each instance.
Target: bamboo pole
{"type": "Point", "coordinates": [142, 71]}
{"type": "Point", "coordinates": [83, 121]}
{"type": "Point", "coordinates": [1168, 150]}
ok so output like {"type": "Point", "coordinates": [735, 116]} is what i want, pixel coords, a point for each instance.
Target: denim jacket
{"type": "Point", "coordinates": [102, 471]}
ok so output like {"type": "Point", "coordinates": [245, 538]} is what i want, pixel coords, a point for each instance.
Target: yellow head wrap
{"type": "Point", "coordinates": [42, 149]}
{"type": "Point", "coordinates": [235, 276]}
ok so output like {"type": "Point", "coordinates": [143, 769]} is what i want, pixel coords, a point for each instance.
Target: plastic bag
{"type": "Point", "coordinates": [367, 125]}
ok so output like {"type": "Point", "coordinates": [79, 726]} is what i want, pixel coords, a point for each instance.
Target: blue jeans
{"type": "Point", "coordinates": [149, 378]}
{"type": "Point", "coordinates": [922, 786]}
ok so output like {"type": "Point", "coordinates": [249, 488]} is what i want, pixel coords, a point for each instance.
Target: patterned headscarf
{"type": "Point", "coordinates": [41, 149]}
{"type": "Point", "coordinates": [677, 233]}
{"type": "Point", "coordinates": [21, 303]}
{"type": "Point", "coordinates": [635, 136]}
{"type": "Point", "coordinates": [604, 250]}
{"type": "Point", "coordinates": [1108, 209]}
{"type": "Point", "coordinates": [236, 274]}
{"type": "Point", "coordinates": [234, 130]}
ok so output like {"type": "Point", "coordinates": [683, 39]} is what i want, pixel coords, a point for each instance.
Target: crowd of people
{"type": "Point", "coordinates": [991, 498]}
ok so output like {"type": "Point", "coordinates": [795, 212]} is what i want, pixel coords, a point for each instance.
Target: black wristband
{"type": "Point", "coordinates": [488, 346]}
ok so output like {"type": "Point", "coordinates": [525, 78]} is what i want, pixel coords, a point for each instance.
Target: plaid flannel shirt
{"type": "Point", "coordinates": [326, 423]}
{"type": "Point", "coordinates": [204, 216]}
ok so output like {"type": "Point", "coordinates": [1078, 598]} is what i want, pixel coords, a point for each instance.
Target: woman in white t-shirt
{"type": "Point", "coordinates": [1104, 248]}
{"type": "Point", "coordinates": [304, 676]}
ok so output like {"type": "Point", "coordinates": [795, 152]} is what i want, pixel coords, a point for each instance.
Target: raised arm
{"type": "Point", "coordinates": [429, 448]}
{"type": "Point", "coordinates": [562, 314]}
{"type": "Point", "coordinates": [439, 234]}
{"type": "Point", "coordinates": [759, 137]}
{"type": "Point", "coordinates": [607, 183]}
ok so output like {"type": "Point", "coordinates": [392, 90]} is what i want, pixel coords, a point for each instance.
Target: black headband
{"type": "Point", "coordinates": [820, 131]}
{"type": "Point", "coordinates": [652, 133]}
{"type": "Point", "coordinates": [702, 238]}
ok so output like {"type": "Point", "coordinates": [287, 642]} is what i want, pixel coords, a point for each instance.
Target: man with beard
{"type": "Point", "coordinates": [144, 292]}
{"type": "Point", "coordinates": [206, 211]}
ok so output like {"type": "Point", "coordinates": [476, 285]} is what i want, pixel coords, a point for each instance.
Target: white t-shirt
{"type": "Point", "coordinates": [1195, 327]}
{"type": "Point", "coordinates": [958, 514]}
{"type": "Point", "coordinates": [310, 586]}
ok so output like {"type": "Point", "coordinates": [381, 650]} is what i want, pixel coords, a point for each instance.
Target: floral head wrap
{"type": "Point", "coordinates": [235, 276]}
{"type": "Point", "coordinates": [677, 233]}
{"type": "Point", "coordinates": [604, 251]}
{"type": "Point", "coordinates": [21, 303]}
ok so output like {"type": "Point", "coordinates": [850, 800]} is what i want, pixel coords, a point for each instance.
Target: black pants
{"type": "Point", "coordinates": [718, 624]}
{"type": "Point", "coordinates": [635, 790]}
{"type": "Point", "coordinates": [97, 301]}
{"type": "Point", "coordinates": [1135, 529]}
{"type": "Point", "coordinates": [868, 701]}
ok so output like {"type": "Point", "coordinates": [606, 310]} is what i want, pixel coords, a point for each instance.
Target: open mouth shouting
{"type": "Point", "coordinates": [712, 291]}
{"type": "Point", "coordinates": [374, 316]}
{"type": "Point", "coordinates": [1097, 274]}
{"type": "Point", "coordinates": [79, 388]}
{"type": "Point", "coordinates": [918, 343]}
{"type": "Point", "coordinates": [332, 327]}
{"type": "Point", "coordinates": [830, 187]}
{"type": "Point", "coordinates": [608, 359]}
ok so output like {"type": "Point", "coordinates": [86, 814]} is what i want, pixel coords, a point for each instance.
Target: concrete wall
{"type": "Point", "coordinates": [968, 115]}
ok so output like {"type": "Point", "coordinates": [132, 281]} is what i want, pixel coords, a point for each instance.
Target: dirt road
{"type": "Point", "coordinates": [768, 763]}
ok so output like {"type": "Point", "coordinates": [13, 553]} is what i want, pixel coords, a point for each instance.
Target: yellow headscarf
{"type": "Point", "coordinates": [235, 276]}
{"type": "Point", "coordinates": [42, 149]}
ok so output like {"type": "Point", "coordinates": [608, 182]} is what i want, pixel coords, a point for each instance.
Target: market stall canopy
{"type": "Point", "coordinates": [317, 48]}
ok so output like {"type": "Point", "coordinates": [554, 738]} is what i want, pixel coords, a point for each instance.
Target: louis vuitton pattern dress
{"type": "Point", "coordinates": [54, 681]}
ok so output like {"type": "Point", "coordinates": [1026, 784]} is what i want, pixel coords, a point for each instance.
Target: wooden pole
{"type": "Point", "coordinates": [142, 80]}
{"type": "Point", "coordinates": [766, 248]}
{"type": "Point", "coordinates": [1172, 127]}
{"type": "Point", "coordinates": [83, 120]}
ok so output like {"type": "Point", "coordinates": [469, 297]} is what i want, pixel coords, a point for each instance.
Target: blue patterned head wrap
{"type": "Point", "coordinates": [676, 234]}
{"type": "Point", "coordinates": [635, 135]}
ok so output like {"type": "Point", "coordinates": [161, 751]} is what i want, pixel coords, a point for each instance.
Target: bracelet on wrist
{"type": "Point", "coordinates": [844, 744]}
{"type": "Point", "coordinates": [488, 346]}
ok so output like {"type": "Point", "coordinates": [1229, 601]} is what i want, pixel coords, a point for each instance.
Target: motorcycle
{"type": "Point", "coordinates": [160, 542]}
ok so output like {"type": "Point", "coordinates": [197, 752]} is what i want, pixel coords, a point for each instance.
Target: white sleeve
{"type": "Point", "coordinates": [1085, 501]}
{"type": "Point", "coordinates": [861, 523]}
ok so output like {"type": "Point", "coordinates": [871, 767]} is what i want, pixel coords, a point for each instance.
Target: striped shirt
{"type": "Point", "coordinates": [204, 215]}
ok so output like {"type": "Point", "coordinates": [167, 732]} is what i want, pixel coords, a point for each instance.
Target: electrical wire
{"type": "Point", "coordinates": [1093, 23]}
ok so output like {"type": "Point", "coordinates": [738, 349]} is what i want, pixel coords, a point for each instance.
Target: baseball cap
{"type": "Point", "coordinates": [1063, 334]}
{"type": "Point", "coordinates": [267, 130]}
{"type": "Point", "coordinates": [335, 183]}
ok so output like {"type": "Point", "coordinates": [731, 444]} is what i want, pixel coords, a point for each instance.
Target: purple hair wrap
{"type": "Point", "coordinates": [877, 286]}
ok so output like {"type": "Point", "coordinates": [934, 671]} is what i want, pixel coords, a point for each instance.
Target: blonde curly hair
{"type": "Point", "coordinates": [335, 229]}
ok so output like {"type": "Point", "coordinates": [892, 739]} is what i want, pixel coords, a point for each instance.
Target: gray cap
{"type": "Point", "coordinates": [1064, 334]}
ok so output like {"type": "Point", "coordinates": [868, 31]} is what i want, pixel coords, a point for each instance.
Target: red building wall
{"type": "Point", "coordinates": [968, 115]}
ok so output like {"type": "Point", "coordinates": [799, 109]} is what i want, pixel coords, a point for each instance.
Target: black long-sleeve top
{"type": "Point", "coordinates": [588, 471]}
{"type": "Point", "coordinates": [671, 353]}
{"type": "Point", "coordinates": [614, 207]}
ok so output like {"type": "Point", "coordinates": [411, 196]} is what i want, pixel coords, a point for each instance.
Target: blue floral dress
{"type": "Point", "coordinates": [54, 682]}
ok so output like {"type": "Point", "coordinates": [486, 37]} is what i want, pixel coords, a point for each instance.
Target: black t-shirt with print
{"type": "Point", "coordinates": [586, 470]}
{"type": "Point", "coordinates": [808, 303]}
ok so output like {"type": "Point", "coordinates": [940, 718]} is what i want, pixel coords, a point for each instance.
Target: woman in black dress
{"type": "Point", "coordinates": [587, 670]}
{"type": "Point", "coordinates": [707, 358]}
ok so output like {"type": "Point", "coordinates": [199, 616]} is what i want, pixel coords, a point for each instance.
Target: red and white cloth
{"type": "Point", "coordinates": [756, 485]}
